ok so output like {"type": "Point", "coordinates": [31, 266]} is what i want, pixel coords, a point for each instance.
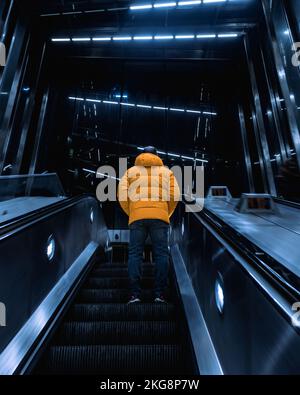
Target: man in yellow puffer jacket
{"type": "Point", "coordinates": [148, 193]}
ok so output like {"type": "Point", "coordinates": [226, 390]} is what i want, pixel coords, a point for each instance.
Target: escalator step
{"type": "Point", "coordinates": [116, 282]}
{"type": "Point", "coordinates": [116, 359]}
{"type": "Point", "coordinates": [119, 265]}
{"type": "Point", "coordinates": [117, 332]}
{"type": "Point", "coordinates": [111, 295]}
{"type": "Point", "coordinates": [122, 311]}
{"type": "Point", "coordinates": [120, 272]}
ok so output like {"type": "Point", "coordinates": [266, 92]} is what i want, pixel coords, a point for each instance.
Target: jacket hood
{"type": "Point", "coordinates": [147, 160]}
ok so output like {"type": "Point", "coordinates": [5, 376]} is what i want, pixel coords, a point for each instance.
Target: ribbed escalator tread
{"type": "Point", "coordinates": [122, 311]}
{"type": "Point", "coordinates": [117, 332]}
{"type": "Point", "coordinates": [120, 272]}
{"type": "Point", "coordinates": [116, 282]}
{"type": "Point", "coordinates": [111, 295]}
{"type": "Point", "coordinates": [102, 334]}
{"type": "Point", "coordinates": [119, 265]}
{"type": "Point", "coordinates": [116, 359]}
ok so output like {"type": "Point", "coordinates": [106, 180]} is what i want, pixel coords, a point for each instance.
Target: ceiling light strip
{"type": "Point", "coordinates": [145, 106]}
{"type": "Point", "coordinates": [148, 37]}
{"type": "Point", "coordinates": [144, 6]}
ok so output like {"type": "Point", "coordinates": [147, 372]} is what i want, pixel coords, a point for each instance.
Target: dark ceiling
{"type": "Point", "coordinates": [197, 74]}
{"type": "Point", "coordinates": [116, 16]}
{"type": "Point", "coordinates": [99, 18]}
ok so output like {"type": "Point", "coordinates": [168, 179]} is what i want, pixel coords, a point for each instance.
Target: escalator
{"type": "Point", "coordinates": [101, 333]}
{"type": "Point", "coordinates": [80, 323]}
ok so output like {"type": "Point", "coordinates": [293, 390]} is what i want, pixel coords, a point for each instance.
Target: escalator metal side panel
{"type": "Point", "coordinates": [15, 352]}
{"type": "Point", "coordinates": [263, 284]}
{"type": "Point", "coordinates": [247, 312]}
{"type": "Point", "coordinates": [36, 253]}
{"type": "Point", "coordinates": [204, 351]}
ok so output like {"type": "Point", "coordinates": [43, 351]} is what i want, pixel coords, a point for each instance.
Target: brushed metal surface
{"type": "Point", "coordinates": [26, 274]}
{"type": "Point", "coordinates": [277, 234]}
{"type": "Point", "coordinates": [16, 350]}
{"type": "Point", "coordinates": [254, 333]}
{"type": "Point", "coordinates": [206, 357]}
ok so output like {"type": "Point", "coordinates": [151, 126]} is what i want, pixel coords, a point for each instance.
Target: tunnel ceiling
{"type": "Point", "coordinates": [87, 18]}
{"type": "Point", "coordinates": [197, 74]}
{"type": "Point", "coordinates": [231, 11]}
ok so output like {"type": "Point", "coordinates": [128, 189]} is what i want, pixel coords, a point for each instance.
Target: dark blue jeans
{"type": "Point", "coordinates": [159, 233]}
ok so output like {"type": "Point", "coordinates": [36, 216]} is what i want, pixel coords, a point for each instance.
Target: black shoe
{"type": "Point", "coordinates": [134, 299]}
{"type": "Point", "coordinates": [160, 299]}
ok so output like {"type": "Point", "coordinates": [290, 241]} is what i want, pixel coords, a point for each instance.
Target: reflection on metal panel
{"type": "Point", "coordinates": [252, 334]}
{"type": "Point", "coordinates": [207, 360]}
{"type": "Point", "coordinates": [17, 349]}
{"type": "Point", "coordinates": [277, 234]}
{"type": "Point", "coordinates": [26, 273]}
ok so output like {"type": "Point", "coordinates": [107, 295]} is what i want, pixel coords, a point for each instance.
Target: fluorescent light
{"type": "Point", "coordinates": [92, 11]}
{"type": "Point", "coordinates": [143, 106]}
{"type": "Point", "coordinates": [146, 106]}
{"type": "Point", "coordinates": [193, 111]}
{"type": "Point", "coordinates": [53, 14]}
{"type": "Point", "coordinates": [213, 1]}
{"type": "Point", "coordinates": [187, 157]}
{"type": "Point", "coordinates": [209, 113]}
{"type": "Point", "coordinates": [206, 35]}
{"type": "Point", "coordinates": [102, 39]}
{"type": "Point", "coordinates": [127, 104]}
{"type": "Point", "coordinates": [191, 2]}
{"type": "Point", "coordinates": [160, 108]}
{"type": "Point", "coordinates": [142, 37]}
{"type": "Point", "coordinates": [177, 109]}
{"type": "Point", "coordinates": [60, 39]}
{"type": "Point", "coordinates": [186, 36]}
{"type": "Point", "coordinates": [109, 102]}
{"type": "Point", "coordinates": [122, 38]}
{"type": "Point", "coordinates": [161, 5]}
{"type": "Point", "coordinates": [141, 7]}
{"type": "Point", "coordinates": [89, 171]}
{"type": "Point", "coordinates": [175, 155]}
{"type": "Point", "coordinates": [93, 100]}
{"type": "Point", "coordinates": [166, 37]}
{"type": "Point", "coordinates": [227, 35]}
{"type": "Point", "coordinates": [81, 39]}
{"type": "Point", "coordinates": [103, 175]}
{"type": "Point", "coordinates": [117, 9]}
{"type": "Point", "coordinates": [72, 12]}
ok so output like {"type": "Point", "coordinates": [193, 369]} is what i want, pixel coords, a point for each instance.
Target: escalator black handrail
{"type": "Point", "coordinates": [287, 202]}
{"type": "Point", "coordinates": [290, 289]}
{"type": "Point", "coordinates": [11, 226]}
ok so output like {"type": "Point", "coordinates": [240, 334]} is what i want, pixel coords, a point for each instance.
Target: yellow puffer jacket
{"type": "Point", "coordinates": [148, 190]}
